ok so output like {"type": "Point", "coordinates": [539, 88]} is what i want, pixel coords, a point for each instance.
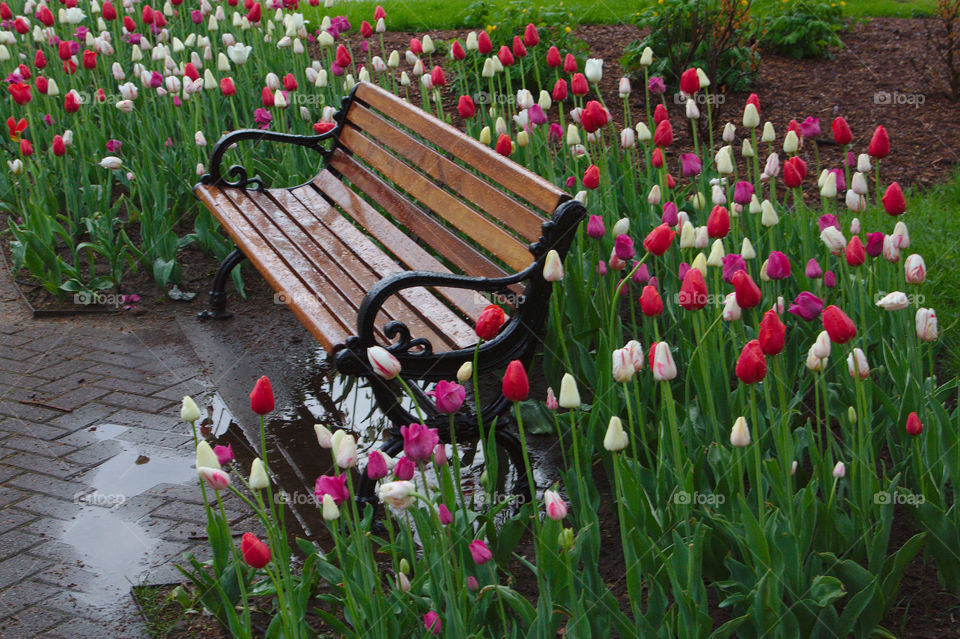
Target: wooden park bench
{"type": "Point", "coordinates": [402, 238]}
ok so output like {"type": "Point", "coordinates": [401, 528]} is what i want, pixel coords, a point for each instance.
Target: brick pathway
{"type": "Point", "coordinates": [97, 487]}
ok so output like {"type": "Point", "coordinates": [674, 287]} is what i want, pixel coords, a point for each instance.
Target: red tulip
{"type": "Point", "coordinates": [855, 253]}
{"type": "Point", "coordinates": [489, 322]}
{"type": "Point", "coordinates": [437, 77]}
{"type": "Point", "coordinates": [746, 290]}
{"type": "Point", "coordinates": [839, 327]}
{"type": "Point", "coordinates": [560, 90]}
{"type": "Point", "coordinates": [255, 13]}
{"type": "Point", "coordinates": [266, 95]}
{"type": "Point", "coordinates": [718, 224]}
{"type": "Point", "coordinates": [519, 50]}
{"type": "Point", "coordinates": [656, 158]}
{"type": "Point", "coordinates": [506, 58]}
{"type": "Point", "coordinates": [20, 92]}
{"type": "Point", "coordinates": [108, 12]}
{"type": "Point", "coordinates": [465, 107]}
{"type": "Point", "coordinates": [365, 29]}
{"type": "Point", "coordinates": [879, 144]}
{"type": "Point", "coordinates": [42, 85]}
{"type": "Point", "coordinates": [689, 81]}
{"type": "Point", "coordinates": [591, 177]}
{"type": "Point", "coordinates": [841, 131]}
{"type": "Point", "coordinates": [457, 51]}
{"type": "Point", "coordinates": [593, 116]}
{"type": "Point", "coordinates": [693, 291]}
{"type": "Point", "coordinates": [570, 63]}
{"type": "Point", "coordinates": [63, 50]}
{"type": "Point", "coordinates": [651, 303]}
{"type": "Point", "coordinates": [484, 45]}
{"type": "Point", "coordinates": [754, 100]}
{"type": "Point", "coordinates": [227, 88]}
{"type": "Point", "coordinates": [45, 16]}
{"type": "Point", "coordinates": [26, 149]}
{"type": "Point", "coordinates": [578, 84]}
{"type": "Point", "coordinates": [40, 60]}
{"type": "Point", "coordinates": [128, 24]}
{"type": "Point", "coordinates": [16, 127]}
{"type": "Point", "coordinates": [663, 136]}
{"type": "Point", "coordinates": [504, 145]}
{"type": "Point", "coordinates": [343, 58]}
{"type": "Point", "coordinates": [659, 114]}
{"type": "Point", "coordinates": [255, 552]}
{"type": "Point", "coordinates": [322, 127]}
{"type": "Point", "coordinates": [751, 365]}
{"type": "Point", "coordinates": [5, 12]}
{"type": "Point", "coordinates": [261, 397]}
{"type": "Point", "coordinates": [415, 45]}
{"type": "Point", "coordinates": [893, 201]}
{"type": "Point", "coordinates": [70, 103]}
{"type": "Point", "coordinates": [89, 59]}
{"type": "Point", "coordinates": [553, 57]}
{"type": "Point", "coordinates": [659, 239]}
{"type": "Point", "coordinates": [24, 71]}
{"type": "Point", "coordinates": [59, 148]}
{"type": "Point", "coordinates": [794, 170]}
{"type": "Point", "coordinates": [671, 182]}
{"type": "Point", "coordinates": [191, 71]}
{"type": "Point", "coordinates": [914, 425]}
{"type": "Point", "coordinates": [516, 386]}
{"type": "Point", "coordinates": [530, 36]}
{"type": "Point", "coordinates": [146, 15]}
{"type": "Point", "coordinates": [289, 82]}
{"type": "Point", "coordinates": [772, 333]}
{"type": "Point", "coordinates": [20, 26]}
{"type": "Point", "coordinates": [379, 13]}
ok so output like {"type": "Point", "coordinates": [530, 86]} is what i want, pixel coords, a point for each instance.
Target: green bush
{"type": "Point", "coordinates": [805, 29]}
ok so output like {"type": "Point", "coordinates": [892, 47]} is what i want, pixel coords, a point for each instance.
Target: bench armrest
{"type": "Point", "coordinates": [215, 178]}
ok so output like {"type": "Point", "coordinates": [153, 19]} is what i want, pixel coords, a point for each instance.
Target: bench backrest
{"type": "Point", "coordinates": [410, 164]}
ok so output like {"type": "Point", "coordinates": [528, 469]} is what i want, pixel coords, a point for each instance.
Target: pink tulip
{"type": "Point", "coordinates": [224, 454]}
{"type": "Point", "coordinates": [690, 165]}
{"type": "Point", "coordinates": [377, 466]}
{"type": "Point", "coordinates": [813, 269]}
{"type": "Point", "coordinates": [432, 620]}
{"type": "Point", "coordinates": [215, 478]}
{"type": "Point", "coordinates": [479, 551]}
{"type": "Point", "coordinates": [333, 485]}
{"type": "Point", "coordinates": [448, 396]}
{"type": "Point", "coordinates": [743, 193]}
{"type": "Point", "coordinates": [383, 362]}
{"type": "Point", "coordinates": [444, 513]}
{"type": "Point", "coordinates": [778, 266]}
{"type": "Point", "coordinates": [419, 441]}
{"type": "Point", "coordinates": [440, 455]}
{"type": "Point", "coordinates": [623, 247]}
{"type": "Point", "coordinates": [404, 469]}
{"type": "Point", "coordinates": [556, 508]}
{"type": "Point", "coordinates": [595, 228]}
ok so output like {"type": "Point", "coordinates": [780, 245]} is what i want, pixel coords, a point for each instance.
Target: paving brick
{"type": "Point", "coordinates": [17, 366]}
{"type": "Point", "coordinates": [31, 622]}
{"type": "Point", "coordinates": [46, 485]}
{"type": "Point", "coordinates": [20, 380]}
{"type": "Point", "coordinates": [15, 542]}
{"type": "Point", "coordinates": [136, 402]}
{"type": "Point", "coordinates": [9, 496]}
{"type": "Point", "coordinates": [68, 383]}
{"type": "Point", "coordinates": [83, 416]}
{"type": "Point", "coordinates": [166, 421]}
{"type": "Point", "coordinates": [78, 397]}
{"type": "Point", "coordinates": [16, 569]}
{"type": "Point", "coordinates": [27, 412]}
{"type": "Point", "coordinates": [95, 454]}
{"type": "Point", "coordinates": [154, 438]}
{"type": "Point", "coordinates": [112, 369]}
{"type": "Point", "coordinates": [55, 370]}
{"type": "Point", "coordinates": [38, 446]}
{"type": "Point", "coordinates": [25, 593]}
{"type": "Point", "coordinates": [136, 387]}
{"type": "Point", "coordinates": [194, 387]}
{"type": "Point", "coordinates": [9, 472]}
{"type": "Point", "coordinates": [10, 519]}
{"type": "Point", "coordinates": [57, 468]}
{"type": "Point", "coordinates": [13, 340]}
{"type": "Point", "coordinates": [30, 429]}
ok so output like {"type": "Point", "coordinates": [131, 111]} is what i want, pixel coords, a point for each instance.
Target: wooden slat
{"type": "Point", "coordinates": [480, 194]}
{"type": "Point", "coordinates": [525, 184]}
{"type": "Point", "coordinates": [440, 238]}
{"type": "Point", "coordinates": [425, 315]}
{"type": "Point", "coordinates": [415, 307]}
{"type": "Point", "coordinates": [487, 234]}
{"type": "Point", "coordinates": [329, 329]}
{"type": "Point", "coordinates": [410, 254]}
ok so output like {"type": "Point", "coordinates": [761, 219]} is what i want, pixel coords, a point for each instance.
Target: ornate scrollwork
{"type": "Point", "coordinates": [405, 344]}
{"type": "Point", "coordinates": [254, 183]}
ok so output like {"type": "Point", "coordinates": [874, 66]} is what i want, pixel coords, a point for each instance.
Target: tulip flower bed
{"type": "Point", "coordinates": [751, 370]}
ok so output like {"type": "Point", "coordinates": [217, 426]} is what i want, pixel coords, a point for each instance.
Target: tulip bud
{"type": "Point", "coordinates": [863, 163]}
{"type": "Point", "coordinates": [839, 470]}
{"type": "Point", "coordinates": [852, 415]}
{"type": "Point", "coordinates": [716, 254]}
{"type": "Point", "coordinates": [926, 321]}
{"type": "Point", "coordinates": [740, 434]}
{"type": "Point", "coordinates": [751, 117]}
{"type": "Point", "coordinates": [729, 133]}
{"type": "Point", "coordinates": [747, 251]}
{"type": "Point", "coordinates": [769, 217]}
{"type": "Point", "coordinates": [791, 142]}
{"type": "Point", "coordinates": [814, 363]}
{"type": "Point", "coordinates": [646, 57]}
{"type": "Point", "coordinates": [746, 150]}
{"type": "Point", "coordinates": [829, 187]}
{"type": "Point", "coordinates": [615, 438]}
{"type": "Point", "coordinates": [643, 132]}
{"type": "Point", "coordinates": [569, 395]}
{"type": "Point", "coordinates": [330, 510]}
{"type": "Point", "coordinates": [731, 310]}
{"type": "Point", "coordinates": [895, 301]}
{"type": "Point", "coordinates": [664, 368]}
{"type": "Point", "coordinates": [700, 262]}
{"type": "Point", "coordinates": [724, 160]}
{"type": "Point", "coordinates": [857, 364]}
{"type": "Point", "coordinates": [768, 135]}
{"type": "Point", "coordinates": [258, 475]}
{"type": "Point", "coordinates": [345, 451]}
{"type": "Point", "coordinates": [189, 411]}
{"type": "Point", "coordinates": [206, 458]}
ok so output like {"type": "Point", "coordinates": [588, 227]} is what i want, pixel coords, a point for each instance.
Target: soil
{"type": "Point", "coordinates": [882, 55]}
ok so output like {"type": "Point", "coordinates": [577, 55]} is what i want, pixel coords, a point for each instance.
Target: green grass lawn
{"type": "Point", "coordinates": [425, 15]}
{"type": "Point", "coordinates": [935, 234]}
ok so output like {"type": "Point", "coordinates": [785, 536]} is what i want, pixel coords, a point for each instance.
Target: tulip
{"type": "Point", "coordinates": [206, 458]}
{"type": "Point", "coordinates": [740, 434]}
{"type": "Point", "coordinates": [914, 426]}
{"type": "Point", "coordinates": [591, 177]}
{"type": "Point", "coordinates": [551, 401]}
{"type": "Point", "coordinates": [578, 84]}
{"type": "Point", "coordinates": [489, 322]}
{"type": "Point", "coordinates": [829, 187]}
{"type": "Point", "coordinates": [771, 334]}
{"type": "Point", "coordinates": [419, 441]}
{"type": "Point", "coordinates": [189, 411]}
{"type": "Point", "coordinates": [891, 252]}
{"type": "Point", "coordinates": [569, 395]}
{"type": "Point", "coordinates": [659, 239]}
{"type": "Point", "coordinates": [397, 494]}
{"type": "Point", "coordinates": [893, 201]}
{"type": "Point", "coordinates": [751, 116]}
{"type": "Point", "coordinates": [839, 470]}
{"type": "Point", "coordinates": [615, 438]}
{"type": "Point", "coordinates": [915, 269]}
{"type": "Point", "coordinates": [516, 386]}
{"type": "Point", "coordinates": [693, 291]}
{"type": "Point", "coordinates": [879, 144]}
{"type": "Point", "coordinates": [751, 365]}
{"type": "Point", "coordinates": [926, 322]}
{"type": "Point", "coordinates": [748, 294]}
{"type": "Point", "coordinates": [895, 301]}
{"type": "Point", "coordinates": [813, 270]}
{"type": "Point", "coordinates": [330, 510]}
{"type": "Point", "coordinates": [404, 469]}
{"type": "Point", "coordinates": [857, 364]}
{"type": "Point", "coordinates": [791, 142]}
{"type": "Point", "coordinates": [431, 621]}
{"type": "Point", "coordinates": [834, 240]}
{"type": "Point", "coordinates": [689, 81]}
{"type": "Point", "coordinates": [554, 505]}
{"type": "Point", "coordinates": [650, 302]}
{"type": "Point", "coordinates": [111, 162]}
{"type": "Point", "coordinates": [593, 70]}
{"type": "Point", "coordinates": [778, 266]}
{"type": "Point", "coordinates": [261, 397]}
{"type": "Point", "coordinates": [444, 515]}
{"type": "Point", "coordinates": [731, 310]}
{"type": "Point", "coordinates": [838, 325]}
{"type": "Point", "coordinates": [841, 132]}
{"type": "Point", "coordinates": [855, 252]}
{"type": "Point", "coordinates": [900, 235]}
{"type": "Point", "coordinates": [806, 306]}
{"type": "Point", "coordinates": [480, 553]}
{"type": "Point", "coordinates": [814, 363]}
{"type": "Point", "coordinates": [214, 477]}
{"type": "Point", "coordinates": [715, 259]}
{"type": "Point", "coordinates": [875, 244]}
{"type": "Point", "coordinates": [663, 135]}
{"type": "Point", "coordinates": [662, 364]}
{"type": "Point", "coordinates": [255, 552]}
{"type": "Point", "coordinates": [382, 362]}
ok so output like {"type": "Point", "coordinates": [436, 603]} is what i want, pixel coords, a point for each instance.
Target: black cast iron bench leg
{"type": "Point", "coordinates": [218, 295]}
